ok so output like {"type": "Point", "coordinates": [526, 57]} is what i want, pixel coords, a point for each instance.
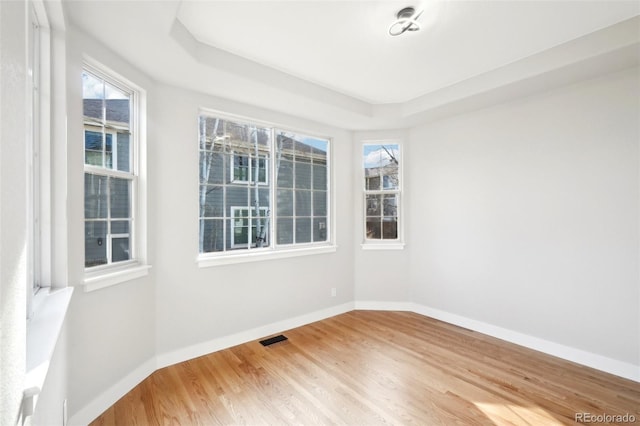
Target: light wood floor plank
{"type": "Point", "coordinates": [367, 367]}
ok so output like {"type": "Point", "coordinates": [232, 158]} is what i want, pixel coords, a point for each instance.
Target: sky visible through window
{"type": "Point", "coordinates": [316, 143]}
{"type": "Point", "coordinates": [92, 88]}
{"type": "Point", "coordinates": [377, 156]}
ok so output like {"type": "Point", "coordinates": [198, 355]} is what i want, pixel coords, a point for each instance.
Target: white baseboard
{"type": "Point", "coordinates": [194, 351]}
{"type": "Point", "coordinates": [374, 305]}
{"type": "Point", "coordinates": [106, 399]}
{"type": "Point", "coordinates": [579, 356]}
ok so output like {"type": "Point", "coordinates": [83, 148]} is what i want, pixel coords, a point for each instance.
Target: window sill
{"type": "Point", "coordinates": [107, 278]}
{"type": "Point", "coordinates": [382, 246]}
{"type": "Point", "coordinates": [205, 261]}
{"type": "Point", "coordinates": [43, 330]}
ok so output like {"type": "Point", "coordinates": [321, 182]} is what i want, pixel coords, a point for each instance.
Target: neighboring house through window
{"type": "Point", "coordinates": [261, 187]}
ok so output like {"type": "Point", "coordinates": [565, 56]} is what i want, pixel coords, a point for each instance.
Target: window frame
{"type": "Point", "coordinates": [382, 243]}
{"type": "Point", "coordinates": [272, 250]}
{"type": "Point", "coordinates": [111, 273]}
{"type": "Point", "coordinates": [35, 209]}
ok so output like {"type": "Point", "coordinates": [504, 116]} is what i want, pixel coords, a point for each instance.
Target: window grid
{"type": "Point", "coordinates": [382, 192]}
{"type": "Point", "coordinates": [210, 134]}
{"type": "Point", "coordinates": [109, 125]}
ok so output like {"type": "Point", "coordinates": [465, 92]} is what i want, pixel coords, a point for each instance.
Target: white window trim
{"type": "Point", "coordinates": [274, 250]}
{"type": "Point", "coordinates": [49, 303]}
{"type": "Point", "coordinates": [103, 276]}
{"type": "Point", "coordinates": [382, 244]}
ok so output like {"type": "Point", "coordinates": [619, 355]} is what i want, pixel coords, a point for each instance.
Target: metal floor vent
{"type": "Point", "coordinates": [272, 340]}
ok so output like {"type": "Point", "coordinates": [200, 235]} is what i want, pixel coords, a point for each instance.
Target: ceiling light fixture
{"type": "Point", "coordinates": [407, 21]}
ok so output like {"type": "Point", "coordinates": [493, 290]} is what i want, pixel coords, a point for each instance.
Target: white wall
{"type": "Point", "coordinates": [526, 216]}
{"type": "Point", "coordinates": [111, 331]}
{"type": "Point", "coordinates": [13, 208]}
{"type": "Point", "coordinates": [196, 305]}
{"type": "Point", "coordinates": [381, 277]}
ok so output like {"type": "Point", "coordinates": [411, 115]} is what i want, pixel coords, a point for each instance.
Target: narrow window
{"type": "Point", "coordinates": [382, 191]}
{"type": "Point", "coordinates": [109, 173]}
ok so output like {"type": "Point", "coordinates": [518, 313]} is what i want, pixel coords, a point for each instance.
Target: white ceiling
{"type": "Point", "coordinates": [345, 45]}
{"type": "Point", "coordinates": [334, 59]}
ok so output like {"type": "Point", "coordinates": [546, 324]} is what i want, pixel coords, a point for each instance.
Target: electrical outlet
{"type": "Point", "coordinates": [333, 292]}
{"type": "Point", "coordinates": [64, 413]}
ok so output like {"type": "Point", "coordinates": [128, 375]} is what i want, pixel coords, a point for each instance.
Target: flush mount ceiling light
{"type": "Point", "coordinates": [407, 21]}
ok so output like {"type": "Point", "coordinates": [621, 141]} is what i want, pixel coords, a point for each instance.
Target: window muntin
{"type": "Point", "coordinates": [109, 180]}
{"type": "Point", "coordinates": [246, 169]}
{"type": "Point", "coordinates": [381, 164]}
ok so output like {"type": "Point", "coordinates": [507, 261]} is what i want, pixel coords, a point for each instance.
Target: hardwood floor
{"type": "Point", "coordinates": [368, 367]}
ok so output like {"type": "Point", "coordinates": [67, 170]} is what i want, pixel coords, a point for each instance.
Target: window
{"type": "Point", "coordinates": [34, 193]}
{"type": "Point", "coordinates": [261, 188]}
{"type": "Point", "coordinates": [382, 191]}
{"type": "Point", "coordinates": [110, 180]}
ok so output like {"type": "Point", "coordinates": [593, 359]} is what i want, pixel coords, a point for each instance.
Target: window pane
{"type": "Point", "coordinates": [240, 227]}
{"type": "Point", "coordinates": [319, 177]}
{"type": "Point", "coordinates": [390, 179]}
{"type": "Point", "coordinates": [372, 180]}
{"type": "Point", "coordinates": [240, 168]}
{"type": "Point", "coordinates": [390, 205]}
{"type": "Point", "coordinates": [319, 203]}
{"type": "Point", "coordinates": [380, 161]}
{"type": "Point", "coordinates": [120, 249]}
{"type": "Point", "coordinates": [93, 95]}
{"type": "Point", "coordinates": [95, 243]}
{"type": "Point", "coordinates": [389, 229]}
{"type": "Point", "coordinates": [285, 202]}
{"type": "Point", "coordinates": [211, 201]}
{"type": "Point", "coordinates": [374, 230]}
{"type": "Point", "coordinates": [124, 152]}
{"type": "Point", "coordinates": [373, 204]}
{"type": "Point", "coordinates": [303, 175]}
{"type": "Point", "coordinates": [120, 227]}
{"type": "Point", "coordinates": [302, 151]}
{"type": "Point", "coordinates": [263, 198]}
{"type": "Point", "coordinates": [211, 235]}
{"type": "Point", "coordinates": [261, 169]}
{"type": "Point", "coordinates": [120, 198]}
{"type": "Point", "coordinates": [117, 106]}
{"type": "Point", "coordinates": [285, 174]}
{"type": "Point", "coordinates": [303, 230]}
{"type": "Point", "coordinates": [211, 167]}
{"type": "Point", "coordinates": [93, 148]}
{"type": "Point", "coordinates": [303, 203]}
{"type": "Point", "coordinates": [285, 146]}
{"type": "Point", "coordinates": [95, 196]}
{"type": "Point", "coordinates": [320, 229]}
{"type": "Point", "coordinates": [212, 135]}
{"type": "Point", "coordinates": [236, 197]}
{"type": "Point", "coordinates": [260, 230]}
{"type": "Point", "coordinates": [284, 231]}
